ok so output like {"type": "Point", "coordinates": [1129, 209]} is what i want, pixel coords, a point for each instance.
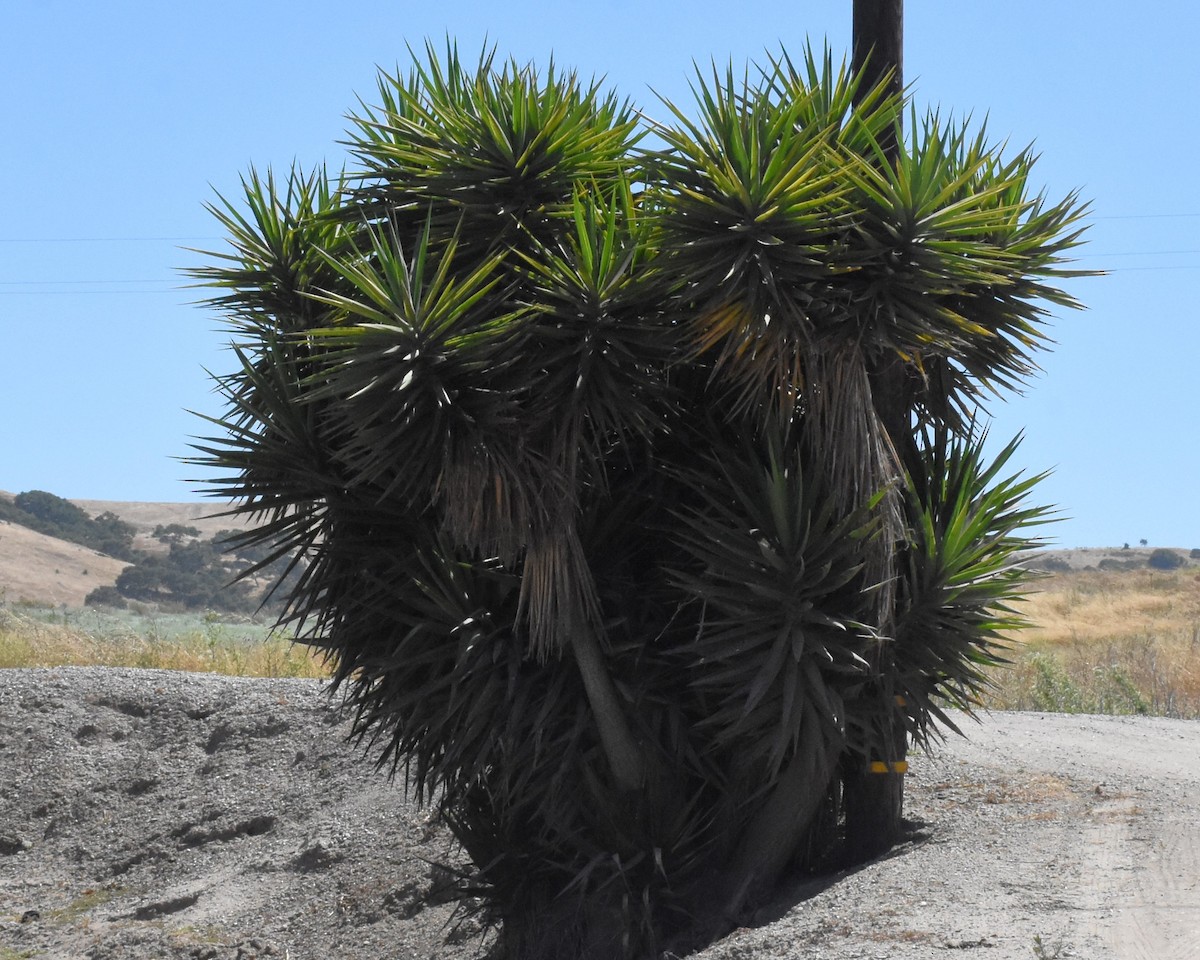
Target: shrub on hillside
{"type": "Point", "coordinates": [175, 533]}
{"type": "Point", "coordinates": [1049, 564]}
{"type": "Point", "coordinates": [1164, 559]}
{"type": "Point", "coordinates": [106, 596]}
{"type": "Point", "coordinates": [55, 517]}
{"type": "Point", "coordinates": [110, 534]}
{"type": "Point", "coordinates": [1108, 563]}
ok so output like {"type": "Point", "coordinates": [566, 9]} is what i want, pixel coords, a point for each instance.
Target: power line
{"type": "Point", "coordinates": [32, 283]}
{"type": "Point", "coordinates": [103, 239]}
{"type": "Point", "coordinates": [136, 239]}
{"type": "Point", "coordinates": [75, 293]}
{"type": "Point", "coordinates": [176, 285]}
{"type": "Point", "coordinates": [1142, 216]}
{"type": "Point", "coordinates": [1145, 253]}
{"type": "Point", "coordinates": [1181, 266]}
{"type": "Point", "coordinates": [1124, 253]}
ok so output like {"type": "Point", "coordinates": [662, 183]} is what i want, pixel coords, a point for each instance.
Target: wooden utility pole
{"type": "Point", "coordinates": [879, 42]}
{"type": "Point", "coordinates": [873, 797]}
{"type": "Point", "coordinates": [879, 53]}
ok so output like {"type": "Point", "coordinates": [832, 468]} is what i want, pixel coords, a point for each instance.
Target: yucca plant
{"type": "Point", "coordinates": [618, 549]}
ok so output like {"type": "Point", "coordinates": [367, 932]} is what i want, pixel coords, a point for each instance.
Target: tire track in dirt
{"type": "Point", "coordinates": [1145, 879]}
{"type": "Point", "coordinates": [1139, 846]}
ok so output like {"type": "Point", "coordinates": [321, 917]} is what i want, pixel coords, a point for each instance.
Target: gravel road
{"type": "Point", "coordinates": [150, 815]}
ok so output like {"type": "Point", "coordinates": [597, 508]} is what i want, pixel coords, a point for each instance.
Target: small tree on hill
{"type": "Point", "coordinates": [113, 536]}
{"type": "Point", "coordinates": [51, 509]}
{"type": "Point", "coordinates": [52, 515]}
{"type": "Point", "coordinates": [582, 444]}
{"type": "Point", "coordinates": [175, 533]}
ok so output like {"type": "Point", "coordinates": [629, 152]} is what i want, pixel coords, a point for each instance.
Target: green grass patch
{"type": "Point", "coordinates": [1146, 676]}
{"type": "Point", "coordinates": [1041, 681]}
{"type": "Point", "coordinates": [82, 904]}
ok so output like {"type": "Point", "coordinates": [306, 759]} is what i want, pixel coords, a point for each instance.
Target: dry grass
{"type": "Point", "coordinates": [40, 637]}
{"type": "Point", "coordinates": [1108, 642]}
{"type": "Point", "coordinates": [1102, 642]}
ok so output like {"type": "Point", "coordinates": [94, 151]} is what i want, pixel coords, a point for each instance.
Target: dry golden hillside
{"type": "Point", "coordinates": [1108, 641]}
{"type": "Point", "coordinates": [45, 570]}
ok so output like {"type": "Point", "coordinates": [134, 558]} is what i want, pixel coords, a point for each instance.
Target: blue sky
{"type": "Point", "coordinates": [121, 119]}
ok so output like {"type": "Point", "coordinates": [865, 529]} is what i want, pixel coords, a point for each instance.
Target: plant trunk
{"type": "Point", "coordinates": [563, 929]}
{"type": "Point", "coordinates": [774, 835]}
{"type": "Point", "coordinates": [625, 757]}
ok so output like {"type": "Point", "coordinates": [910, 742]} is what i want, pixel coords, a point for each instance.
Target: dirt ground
{"type": "Point", "coordinates": [149, 814]}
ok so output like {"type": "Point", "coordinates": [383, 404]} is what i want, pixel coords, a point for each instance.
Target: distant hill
{"type": "Point", "coordinates": [42, 569]}
{"type": "Point", "coordinates": [45, 570]}
{"type": "Point", "coordinates": [1102, 558]}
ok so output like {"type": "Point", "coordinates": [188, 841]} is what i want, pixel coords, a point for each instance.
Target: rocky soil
{"type": "Point", "coordinates": [149, 814]}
